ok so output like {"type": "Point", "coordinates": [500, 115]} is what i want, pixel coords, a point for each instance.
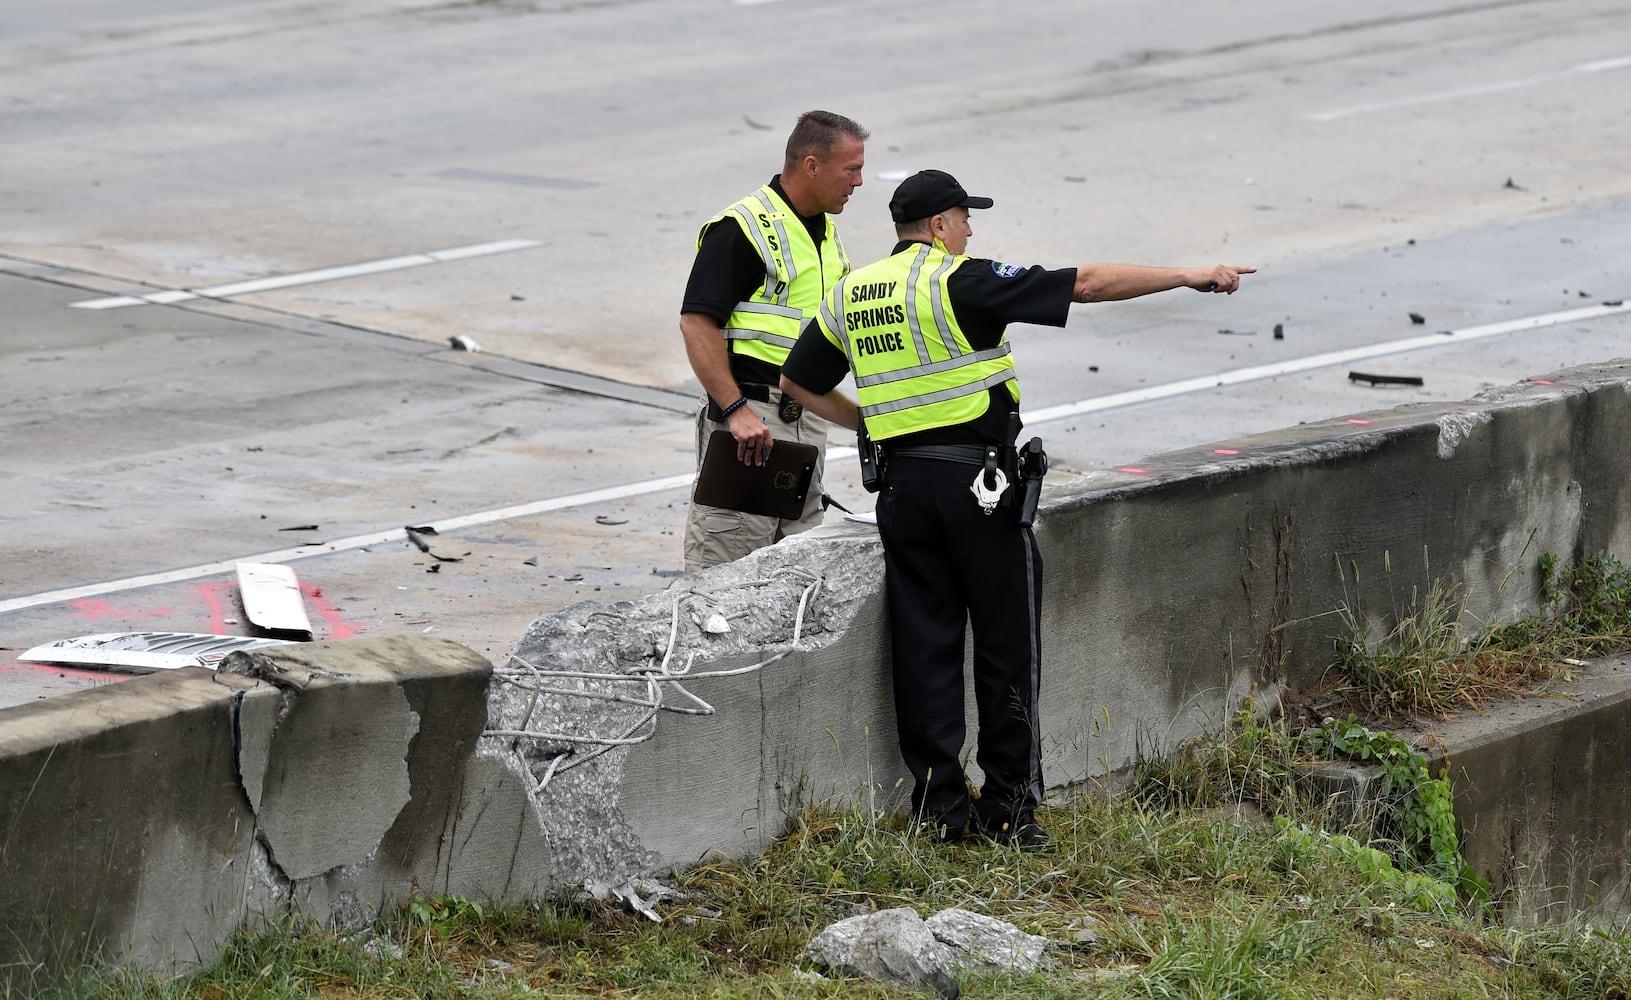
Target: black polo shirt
{"type": "Point", "coordinates": [729, 269]}
{"type": "Point", "coordinates": [986, 295]}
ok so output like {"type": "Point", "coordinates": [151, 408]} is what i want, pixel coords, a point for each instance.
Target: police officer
{"type": "Point", "coordinates": [761, 270]}
{"type": "Point", "coordinates": [923, 332]}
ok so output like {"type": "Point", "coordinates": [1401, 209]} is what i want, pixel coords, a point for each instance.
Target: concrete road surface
{"type": "Point", "coordinates": [235, 241]}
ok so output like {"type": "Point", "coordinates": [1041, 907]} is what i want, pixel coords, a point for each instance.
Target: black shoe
{"type": "Point", "coordinates": [1027, 833]}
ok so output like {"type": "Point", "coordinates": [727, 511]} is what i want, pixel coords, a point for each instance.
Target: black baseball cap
{"type": "Point", "coordinates": [930, 192]}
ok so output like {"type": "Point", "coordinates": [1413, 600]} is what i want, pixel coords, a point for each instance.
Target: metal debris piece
{"type": "Point", "coordinates": [610, 521]}
{"type": "Point", "coordinates": [145, 652]}
{"type": "Point", "coordinates": [1384, 379]}
{"type": "Point", "coordinates": [419, 543]}
{"type": "Point", "coordinates": [271, 599]}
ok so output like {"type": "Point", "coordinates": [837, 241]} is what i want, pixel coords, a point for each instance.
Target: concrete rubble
{"type": "Point", "coordinates": [898, 947]}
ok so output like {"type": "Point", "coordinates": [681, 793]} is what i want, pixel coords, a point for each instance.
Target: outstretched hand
{"type": "Point", "coordinates": [1220, 278]}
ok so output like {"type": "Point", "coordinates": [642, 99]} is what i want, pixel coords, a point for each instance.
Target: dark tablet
{"type": "Point", "coordinates": [778, 489]}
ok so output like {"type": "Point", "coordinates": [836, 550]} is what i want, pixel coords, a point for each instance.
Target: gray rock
{"type": "Point", "coordinates": [984, 945]}
{"type": "Point", "coordinates": [891, 946]}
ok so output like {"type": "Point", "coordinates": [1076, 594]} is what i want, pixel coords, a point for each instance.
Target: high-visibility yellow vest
{"type": "Point", "coordinates": [797, 275]}
{"type": "Point", "coordinates": [914, 368]}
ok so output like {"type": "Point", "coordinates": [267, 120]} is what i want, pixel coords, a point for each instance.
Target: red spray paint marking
{"type": "Point", "coordinates": [93, 608]}
{"type": "Point", "coordinates": [338, 628]}
{"type": "Point", "coordinates": [211, 594]}
{"type": "Point", "coordinates": [1356, 420]}
{"type": "Point", "coordinates": [1133, 470]}
{"type": "Point", "coordinates": [1543, 381]}
{"type": "Point", "coordinates": [1224, 451]}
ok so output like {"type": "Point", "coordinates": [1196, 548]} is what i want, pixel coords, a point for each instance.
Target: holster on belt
{"type": "Point", "coordinates": [871, 460]}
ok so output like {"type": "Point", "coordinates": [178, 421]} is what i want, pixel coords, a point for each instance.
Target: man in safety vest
{"type": "Point", "coordinates": [761, 270]}
{"type": "Point", "coordinates": [923, 333]}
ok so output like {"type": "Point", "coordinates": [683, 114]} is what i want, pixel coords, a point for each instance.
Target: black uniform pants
{"type": "Point", "coordinates": [946, 565]}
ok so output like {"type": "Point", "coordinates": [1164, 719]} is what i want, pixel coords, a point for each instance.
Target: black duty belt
{"type": "Point", "coordinates": [790, 410]}
{"type": "Point", "coordinates": [963, 454]}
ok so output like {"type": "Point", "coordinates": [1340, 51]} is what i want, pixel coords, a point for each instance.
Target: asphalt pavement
{"type": "Point", "coordinates": [187, 380]}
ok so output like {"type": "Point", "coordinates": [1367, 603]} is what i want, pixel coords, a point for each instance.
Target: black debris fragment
{"type": "Point", "coordinates": [300, 527]}
{"type": "Point", "coordinates": [828, 501]}
{"type": "Point", "coordinates": [415, 536]}
{"type": "Point", "coordinates": [609, 521]}
{"type": "Point", "coordinates": [1384, 379]}
{"type": "Point", "coordinates": [1279, 331]}
{"type": "Point", "coordinates": [434, 568]}
{"type": "Point", "coordinates": [574, 578]}
{"type": "Point", "coordinates": [1614, 303]}
{"type": "Point", "coordinates": [1417, 318]}
{"type": "Point", "coordinates": [1092, 368]}
{"type": "Point", "coordinates": [518, 298]}
{"type": "Point", "coordinates": [1237, 333]}
{"type": "Point", "coordinates": [423, 529]}
{"type": "Point", "coordinates": [1511, 186]}
{"type": "Point", "coordinates": [1585, 295]}
{"type": "Point", "coordinates": [530, 561]}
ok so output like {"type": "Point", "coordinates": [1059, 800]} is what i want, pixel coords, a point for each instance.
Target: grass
{"type": "Point", "coordinates": [1186, 903]}
{"type": "Point", "coordinates": [1426, 666]}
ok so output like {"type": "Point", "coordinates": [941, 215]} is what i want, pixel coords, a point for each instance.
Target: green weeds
{"type": "Point", "coordinates": [1425, 666]}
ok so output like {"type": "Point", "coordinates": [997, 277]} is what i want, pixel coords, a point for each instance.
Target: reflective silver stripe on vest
{"type": "Point", "coordinates": [937, 302]}
{"type": "Point", "coordinates": [770, 309]}
{"type": "Point", "coordinates": [936, 367]}
{"type": "Point", "coordinates": [989, 382]}
{"type": "Point", "coordinates": [787, 255]}
{"type": "Point", "coordinates": [838, 244]}
{"type": "Point", "coordinates": [737, 333]}
{"type": "Point", "coordinates": [840, 330]}
{"type": "Point", "coordinates": [911, 305]}
{"type": "Point", "coordinates": [758, 239]}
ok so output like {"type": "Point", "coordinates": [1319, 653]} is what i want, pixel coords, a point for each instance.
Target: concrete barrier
{"type": "Point", "coordinates": [148, 820]}
{"type": "Point", "coordinates": [1170, 595]}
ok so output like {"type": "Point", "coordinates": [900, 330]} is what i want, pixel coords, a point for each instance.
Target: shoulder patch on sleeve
{"type": "Point", "coordinates": [1002, 270]}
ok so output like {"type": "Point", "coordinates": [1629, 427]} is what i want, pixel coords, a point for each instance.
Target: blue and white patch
{"type": "Point", "coordinates": [1006, 270]}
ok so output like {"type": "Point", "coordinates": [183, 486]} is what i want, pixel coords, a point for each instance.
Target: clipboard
{"type": "Point", "coordinates": [778, 489]}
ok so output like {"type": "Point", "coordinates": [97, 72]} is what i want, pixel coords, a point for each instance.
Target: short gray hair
{"type": "Point", "coordinates": [815, 134]}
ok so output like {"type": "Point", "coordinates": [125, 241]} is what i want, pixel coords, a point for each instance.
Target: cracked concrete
{"type": "Point", "coordinates": [321, 743]}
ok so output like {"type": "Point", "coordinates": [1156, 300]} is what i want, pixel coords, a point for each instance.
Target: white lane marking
{"type": "Point", "coordinates": [834, 454]}
{"type": "Point", "coordinates": [1494, 87]}
{"type": "Point", "coordinates": [1257, 372]}
{"type": "Point", "coordinates": [310, 277]}
{"type": "Point", "coordinates": [346, 544]}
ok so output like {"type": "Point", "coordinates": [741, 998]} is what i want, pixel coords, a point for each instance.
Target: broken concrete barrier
{"type": "Point", "coordinates": [148, 821]}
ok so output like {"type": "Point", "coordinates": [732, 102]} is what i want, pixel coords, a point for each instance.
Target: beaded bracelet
{"type": "Point", "coordinates": [727, 411]}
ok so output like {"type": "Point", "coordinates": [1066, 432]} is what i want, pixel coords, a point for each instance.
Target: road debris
{"type": "Point", "coordinates": [461, 342]}
{"type": "Point", "coordinates": [271, 599]}
{"type": "Point", "coordinates": [1384, 379]}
